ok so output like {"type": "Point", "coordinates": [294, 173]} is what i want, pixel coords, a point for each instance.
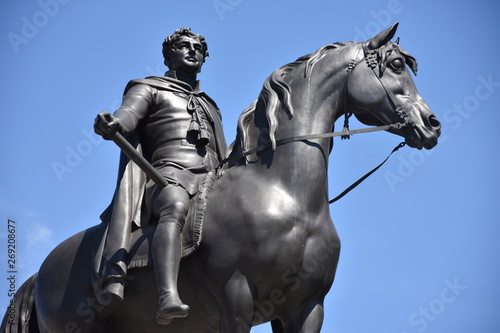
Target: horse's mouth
{"type": "Point", "coordinates": [416, 138]}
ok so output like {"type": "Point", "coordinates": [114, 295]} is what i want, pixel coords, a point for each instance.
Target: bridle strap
{"type": "Point", "coordinates": [321, 136]}
{"type": "Point", "coordinates": [308, 137]}
{"type": "Point", "coordinates": [368, 174]}
{"type": "Point", "coordinates": [372, 62]}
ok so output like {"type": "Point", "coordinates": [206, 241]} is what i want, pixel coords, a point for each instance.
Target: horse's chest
{"type": "Point", "coordinates": [298, 255]}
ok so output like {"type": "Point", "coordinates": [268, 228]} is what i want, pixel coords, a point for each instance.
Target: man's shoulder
{"type": "Point", "coordinates": [156, 82]}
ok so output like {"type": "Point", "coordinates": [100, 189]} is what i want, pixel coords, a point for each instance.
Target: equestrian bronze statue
{"type": "Point", "coordinates": [258, 244]}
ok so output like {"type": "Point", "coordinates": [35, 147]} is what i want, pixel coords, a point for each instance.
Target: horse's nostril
{"type": "Point", "coordinates": [433, 122]}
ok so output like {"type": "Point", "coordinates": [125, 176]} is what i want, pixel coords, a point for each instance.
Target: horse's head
{"type": "Point", "coordinates": [381, 91]}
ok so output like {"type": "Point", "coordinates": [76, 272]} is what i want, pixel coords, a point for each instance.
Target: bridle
{"type": "Point", "coordinates": [370, 56]}
{"type": "Point", "coordinates": [371, 59]}
{"type": "Point", "coordinates": [372, 62]}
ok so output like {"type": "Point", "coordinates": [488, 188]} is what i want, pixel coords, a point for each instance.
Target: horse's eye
{"type": "Point", "coordinates": [397, 63]}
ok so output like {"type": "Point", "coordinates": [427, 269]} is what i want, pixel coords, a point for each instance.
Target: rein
{"type": "Point", "coordinates": [327, 135]}
{"type": "Point", "coordinates": [368, 174]}
{"type": "Point", "coordinates": [280, 142]}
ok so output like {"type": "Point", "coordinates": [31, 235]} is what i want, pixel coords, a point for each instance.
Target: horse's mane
{"type": "Point", "coordinates": [275, 96]}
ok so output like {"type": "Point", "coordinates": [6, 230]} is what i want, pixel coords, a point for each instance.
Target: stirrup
{"type": "Point", "coordinates": [111, 293]}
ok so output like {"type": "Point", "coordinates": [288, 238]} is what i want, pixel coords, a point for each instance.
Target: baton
{"type": "Point", "coordinates": [135, 156]}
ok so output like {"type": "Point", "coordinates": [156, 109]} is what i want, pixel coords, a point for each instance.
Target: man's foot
{"type": "Point", "coordinates": [112, 293]}
{"type": "Point", "coordinates": [170, 308]}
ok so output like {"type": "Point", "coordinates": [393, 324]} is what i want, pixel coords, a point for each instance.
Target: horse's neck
{"type": "Point", "coordinates": [320, 101]}
{"type": "Point", "coordinates": [315, 111]}
{"type": "Point", "coordinates": [317, 101]}
{"type": "Point", "coordinates": [301, 167]}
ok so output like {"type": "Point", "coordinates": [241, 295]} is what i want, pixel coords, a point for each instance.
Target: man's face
{"type": "Point", "coordinates": [187, 55]}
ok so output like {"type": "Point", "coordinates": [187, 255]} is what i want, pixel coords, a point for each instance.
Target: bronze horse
{"type": "Point", "coordinates": [270, 249]}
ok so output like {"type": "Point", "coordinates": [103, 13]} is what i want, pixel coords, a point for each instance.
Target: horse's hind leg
{"type": "Point", "coordinates": [237, 310]}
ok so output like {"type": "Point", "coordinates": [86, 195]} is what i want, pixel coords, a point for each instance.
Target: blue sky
{"type": "Point", "coordinates": [419, 238]}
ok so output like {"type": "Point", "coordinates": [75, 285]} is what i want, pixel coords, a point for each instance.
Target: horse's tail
{"type": "Point", "coordinates": [20, 316]}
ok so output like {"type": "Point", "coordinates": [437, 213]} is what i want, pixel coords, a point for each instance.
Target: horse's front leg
{"type": "Point", "coordinates": [308, 320]}
{"type": "Point", "coordinates": [312, 318]}
{"type": "Point", "coordinates": [236, 305]}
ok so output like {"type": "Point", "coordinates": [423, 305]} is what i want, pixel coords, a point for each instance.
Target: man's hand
{"type": "Point", "coordinates": [106, 124]}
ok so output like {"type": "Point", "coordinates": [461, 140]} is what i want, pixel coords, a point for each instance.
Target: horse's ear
{"type": "Point", "coordinates": [383, 37]}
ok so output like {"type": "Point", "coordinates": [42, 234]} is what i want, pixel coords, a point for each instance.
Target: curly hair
{"type": "Point", "coordinates": [170, 41]}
